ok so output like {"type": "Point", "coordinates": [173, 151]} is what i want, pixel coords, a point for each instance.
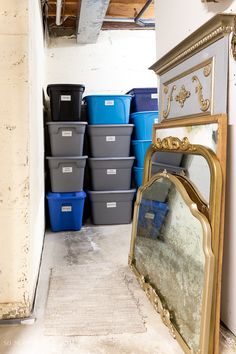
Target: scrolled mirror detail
{"type": "Point", "coordinates": [204, 103]}
{"type": "Point", "coordinates": [174, 143]}
{"type": "Point", "coordinates": [173, 317]}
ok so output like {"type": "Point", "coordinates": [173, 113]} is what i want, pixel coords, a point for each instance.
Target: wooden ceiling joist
{"type": "Point", "coordinates": [90, 15]}
{"type": "Point", "coordinates": [128, 10]}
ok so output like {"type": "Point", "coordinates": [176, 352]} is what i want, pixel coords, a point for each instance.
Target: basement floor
{"type": "Point", "coordinates": [89, 302]}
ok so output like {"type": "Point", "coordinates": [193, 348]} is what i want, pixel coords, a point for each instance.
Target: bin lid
{"type": "Point", "coordinates": [143, 113]}
{"type": "Point", "coordinates": [72, 87]}
{"type": "Point", "coordinates": [65, 124]}
{"type": "Point", "coordinates": [71, 195]}
{"type": "Point", "coordinates": [129, 158]}
{"type": "Point", "coordinates": [108, 96]}
{"type": "Point", "coordinates": [66, 158]}
{"type": "Point", "coordinates": [143, 90]}
{"type": "Point", "coordinates": [102, 126]}
{"type": "Point", "coordinates": [135, 142]}
{"type": "Point", "coordinates": [113, 192]}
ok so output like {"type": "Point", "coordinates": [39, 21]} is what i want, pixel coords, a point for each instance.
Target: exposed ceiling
{"type": "Point", "coordinates": [85, 18]}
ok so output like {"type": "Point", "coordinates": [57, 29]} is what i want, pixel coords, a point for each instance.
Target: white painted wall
{"type": "Point", "coordinates": [36, 142]}
{"type": "Point", "coordinates": [14, 177]}
{"type": "Point", "coordinates": [18, 158]}
{"type": "Point", "coordinates": [118, 62]}
{"type": "Point", "coordinates": [175, 21]}
{"type": "Point", "coordinates": [178, 19]}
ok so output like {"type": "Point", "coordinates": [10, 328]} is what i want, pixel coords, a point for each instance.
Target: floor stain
{"type": "Point", "coordinates": [81, 246]}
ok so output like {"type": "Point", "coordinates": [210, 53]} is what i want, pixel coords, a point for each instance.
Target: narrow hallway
{"type": "Point", "coordinates": [95, 258]}
{"type": "Point", "coordinates": [89, 302]}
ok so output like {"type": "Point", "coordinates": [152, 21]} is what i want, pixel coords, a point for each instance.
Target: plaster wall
{"type": "Point", "coordinates": [14, 177]}
{"type": "Point", "coordinates": [17, 237]}
{"type": "Point", "coordinates": [36, 139]}
{"type": "Point", "coordinates": [118, 62]}
{"type": "Point", "coordinates": [185, 17]}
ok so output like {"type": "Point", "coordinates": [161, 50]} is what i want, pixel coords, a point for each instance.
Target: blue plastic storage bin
{"type": "Point", "coordinates": [66, 210]}
{"type": "Point", "coordinates": [140, 148]}
{"type": "Point", "coordinates": [152, 215]}
{"type": "Point", "coordinates": [143, 99]}
{"type": "Point", "coordinates": [111, 109]}
{"type": "Point", "coordinates": [138, 176]}
{"type": "Point", "coordinates": [143, 122]}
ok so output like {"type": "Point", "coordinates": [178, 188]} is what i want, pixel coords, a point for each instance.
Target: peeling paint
{"type": "Point", "coordinates": [20, 61]}
{"type": "Point", "coordinates": [11, 310]}
{"type": "Point", "coordinates": [10, 127]}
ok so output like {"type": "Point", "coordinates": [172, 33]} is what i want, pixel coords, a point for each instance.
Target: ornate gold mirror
{"type": "Point", "coordinates": [175, 246]}
{"type": "Point", "coordinates": [210, 131]}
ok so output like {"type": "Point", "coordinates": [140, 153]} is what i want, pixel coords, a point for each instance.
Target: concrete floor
{"type": "Point", "coordinates": [93, 244]}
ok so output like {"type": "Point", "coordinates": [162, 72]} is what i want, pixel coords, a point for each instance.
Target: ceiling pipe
{"type": "Point", "coordinates": [118, 19]}
{"type": "Point", "coordinates": [137, 18]}
{"type": "Point", "coordinates": [58, 12]}
{"type": "Point", "coordinates": [143, 23]}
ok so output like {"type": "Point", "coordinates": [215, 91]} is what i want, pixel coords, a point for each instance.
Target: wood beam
{"type": "Point", "coordinates": [92, 13]}
{"type": "Point", "coordinates": [53, 2]}
{"type": "Point", "coordinates": [123, 26]}
{"type": "Point", "coordinates": [129, 10]}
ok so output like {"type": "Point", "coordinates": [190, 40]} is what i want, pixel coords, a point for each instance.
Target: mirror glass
{"type": "Point", "coordinates": [168, 252]}
{"type": "Point", "coordinates": [195, 167]}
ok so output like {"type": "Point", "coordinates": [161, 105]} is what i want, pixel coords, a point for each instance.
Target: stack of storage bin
{"type": "Point", "coordinates": [144, 113]}
{"type": "Point", "coordinates": [66, 163]}
{"type": "Point", "coordinates": [110, 162]}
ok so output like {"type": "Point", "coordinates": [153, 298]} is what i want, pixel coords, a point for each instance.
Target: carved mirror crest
{"type": "Point", "coordinates": [175, 245]}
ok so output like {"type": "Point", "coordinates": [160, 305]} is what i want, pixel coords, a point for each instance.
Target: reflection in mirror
{"type": "Point", "coordinates": [195, 167]}
{"type": "Point", "coordinates": [169, 253]}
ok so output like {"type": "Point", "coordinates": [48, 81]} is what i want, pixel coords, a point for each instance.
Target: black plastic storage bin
{"type": "Point", "coordinates": [65, 101]}
{"type": "Point", "coordinates": [144, 99]}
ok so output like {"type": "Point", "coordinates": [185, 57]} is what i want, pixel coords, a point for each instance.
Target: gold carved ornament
{"type": "Point", "coordinates": [174, 143]}
{"type": "Point", "coordinates": [207, 70]}
{"type": "Point", "coordinates": [157, 304]}
{"type": "Point", "coordinates": [182, 96]}
{"type": "Point", "coordinates": [218, 27]}
{"type": "Point", "coordinates": [204, 103]}
{"type": "Point", "coordinates": [166, 112]}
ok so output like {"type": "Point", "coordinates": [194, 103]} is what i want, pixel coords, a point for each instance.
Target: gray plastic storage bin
{"type": "Point", "coordinates": [111, 173]}
{"type": "Point", "coordinates": [159, 167]}
{"type": "Point", "coordinates": [169, 158]}
{"type": "Point", "coordinates": [110, 140]}
{"type": "Point", "coordinates": [66, 138]}
{"type": "Point", "coordinates": [67, 173]}
{"type": "Point", "coordinates": [113, 207]}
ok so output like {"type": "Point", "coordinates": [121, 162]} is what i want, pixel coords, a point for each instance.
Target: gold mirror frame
{"type": "Point", "coordinates": [214, 213]}
{"type": "Point", "coordinates": [221, 151]}
{"type": "Point", "coordinates": [208, 272]}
